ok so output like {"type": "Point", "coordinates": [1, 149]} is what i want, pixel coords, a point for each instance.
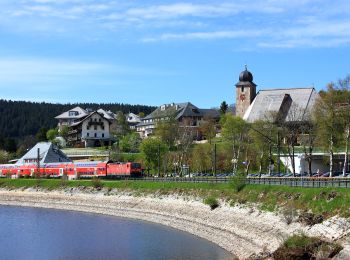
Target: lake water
{"type": "Point", "coordinates": [32, 233]}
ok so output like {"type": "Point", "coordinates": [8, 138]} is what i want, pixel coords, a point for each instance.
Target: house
{"type": "Point", "coordinates": [70, 117]}
{"type": "Point", "coordinates": [93, 130]}
{"type": "Point", "coordinates": [186, 113]}
{"type": "Point", "coordinates": [133, 120]}
{"type": "Point", "coordinates": [47, 153]}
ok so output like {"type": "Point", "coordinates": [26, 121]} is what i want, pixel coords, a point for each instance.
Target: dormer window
{"type": "Point", "coordinates": [73, 113]}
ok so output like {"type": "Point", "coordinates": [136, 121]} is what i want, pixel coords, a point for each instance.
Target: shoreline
{"type": "Point", "coordinates": [242, 231]}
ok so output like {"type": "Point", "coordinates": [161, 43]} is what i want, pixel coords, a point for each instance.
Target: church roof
{"type": "Point", "coordinates": [288, 104]}
{"type": "Point", "coordinates": [48, 153]}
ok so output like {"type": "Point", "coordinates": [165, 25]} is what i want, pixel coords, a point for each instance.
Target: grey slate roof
{"type": "Point", "coordinates": [178, 110]}
{"type": "Point", "coordinates": [49, 153]}
{"type": "Point", "coordinates": [107, 114]}
{"type": "Point", "coordinates": [290, 104]}
{"type": "Point", "coordinates": [65, 115]}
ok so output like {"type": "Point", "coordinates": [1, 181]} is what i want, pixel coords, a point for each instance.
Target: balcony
{"type": "Point", "coordinates": [73, 131]}
{"type": "Point", "coordinates": [95, 123]}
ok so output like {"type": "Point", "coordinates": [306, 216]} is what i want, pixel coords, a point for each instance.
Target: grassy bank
{"type": "Point", "coordinates": [326, 202]}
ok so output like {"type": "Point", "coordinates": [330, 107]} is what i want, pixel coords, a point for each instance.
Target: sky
{"type": "Point", "coordinates": [157, 52]}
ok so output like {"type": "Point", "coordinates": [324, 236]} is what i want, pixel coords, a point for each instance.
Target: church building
{"type": "Point", "coordinates": [285, 104]}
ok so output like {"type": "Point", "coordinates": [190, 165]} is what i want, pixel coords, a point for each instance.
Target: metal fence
{"type": "Point", "coordinates": [290, 181]}
{"type": "Point", "coordinates": [303, 182]}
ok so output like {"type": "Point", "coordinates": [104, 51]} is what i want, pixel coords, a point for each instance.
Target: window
{"type": "Point", "coordinates": [242, 89]}
{"type": "Point", "coordinates": [95, 127]}
{"type": "Point", "coordinates": [99, 120]}
{"type": "Point", "coordinates": [88, 128]}
{"type": "Point", "coordinates": [103, 135]}
{"type": "Point", "coordinates": [87, 134]}
{"type": "Point", "coordinates": [95, 134]}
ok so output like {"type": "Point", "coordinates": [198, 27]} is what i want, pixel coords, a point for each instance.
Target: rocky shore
{"type": "Point", "coordinates": [243, 231]}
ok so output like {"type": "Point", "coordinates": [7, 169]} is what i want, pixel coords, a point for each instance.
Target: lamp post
{"type": "Point", "coordinates": [234, 163]}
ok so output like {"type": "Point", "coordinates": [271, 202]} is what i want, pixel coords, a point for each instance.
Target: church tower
{"type": "Point", "coordinates": [245, 92]}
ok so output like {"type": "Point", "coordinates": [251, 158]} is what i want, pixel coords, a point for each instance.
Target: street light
{"type": "Point", "coordinates": [234, 163]}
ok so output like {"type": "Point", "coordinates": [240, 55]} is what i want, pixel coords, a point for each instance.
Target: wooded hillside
{"type": "Point", "coordinates": [21, 118]}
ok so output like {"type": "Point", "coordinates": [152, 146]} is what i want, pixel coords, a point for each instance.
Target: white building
{"type": "Point", "coordinates": [93, 130]}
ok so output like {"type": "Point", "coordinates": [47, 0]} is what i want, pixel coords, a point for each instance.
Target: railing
{"type": "Point", "coordinates": [290, 181]}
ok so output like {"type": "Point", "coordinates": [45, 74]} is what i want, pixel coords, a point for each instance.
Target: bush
{"type": "Point", "coordinates": [303, 247]}
{"type": "Point", "coordinates": [212, 202]}
{"type": "Point", "coordinates": [238, 182]}
{"type": "Point", "coordinates": [96, 183]}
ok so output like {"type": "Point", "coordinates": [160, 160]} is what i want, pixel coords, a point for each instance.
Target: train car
{"type": "Point", "coordinates": [58, 169]}
{"type": "Point", "coordinates": [90, 169]}
{"type": "Point", "coordinates": [74, 170]}
{"type": "Point", "coordinates": [129, 169]}
{"type": "Point", "coordinates": [8, 170]}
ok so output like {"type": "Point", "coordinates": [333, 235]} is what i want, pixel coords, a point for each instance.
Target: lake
{"type": "Point", "coordinates": [33, 233]}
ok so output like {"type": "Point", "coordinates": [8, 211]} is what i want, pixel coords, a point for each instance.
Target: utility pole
{"type": "Point", "coordinates": [278, 153]}
{"type": "Point", "coordinates": [38, 163]}
{"type": "Point", "coordinates": [215, 159]}
{"type": "Point", "coordinates": [158, 160]}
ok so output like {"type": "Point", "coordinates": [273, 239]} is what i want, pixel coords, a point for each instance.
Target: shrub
{"type": "Point", "coordinates": [212, 202]}
{"type": "Point", "coordinates": [303, 247]}
{"type": "Point", "coordinates": [238, 182]}
{"type": "Point", "coordinates": [96, 183]}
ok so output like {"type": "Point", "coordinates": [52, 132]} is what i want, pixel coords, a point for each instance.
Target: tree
{"type": "Point", "coordinates": [64, 132]}
{"type": "Point", "coordinates": [308, 139]}
{"type": "Point", "coordinates": [10, 145]}
{"type": "Point", "coordinates": [153, 150]}
{"type": "Point", "coordinates": [41, 134]}
{"type": "Point", "coordinates": [130, 143]}
{"type": "Point", "coordinates": [291, 130]}
{"type": "Point", "coordinates": [168, 131]}
{"type": "Point", "coordinates": [51, 134]}
{"type": "Point", "coordinates": [120, 127]}
{"type": "Point", "coordinates": [234, 131]}
{"type": "Point", "coordinates": [183, 144]}
{"type": "Point", "coordinates": [141, 114]}
{"type": "Point", "coordinates": [223, 107]}
{"type": "Point", "coordinates": [208, 128]}
{"type": "Point", "coordinates": [4, 156]}
{"type": "Point", "coordinates": [344, 110]}
{"type": "Point", "coordinates": [328, 122]}
{"type": "Point", "coordinates": [201, 158]}
{"type": "Point", "coordinates": [262, 133]}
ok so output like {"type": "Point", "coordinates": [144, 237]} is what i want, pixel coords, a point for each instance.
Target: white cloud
{"type": "Point", "coordinates": [263, 23]}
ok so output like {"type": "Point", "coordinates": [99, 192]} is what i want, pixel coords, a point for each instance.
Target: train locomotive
{"type": "Point", "coordinates": [103, 169]}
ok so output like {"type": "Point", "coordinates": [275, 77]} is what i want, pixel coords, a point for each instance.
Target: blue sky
{"type": "Point", "coordinates": [155, 52]}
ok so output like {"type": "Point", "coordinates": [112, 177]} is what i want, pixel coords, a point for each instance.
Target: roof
{"type": "Point", "coordinates": [79, 113]}
{"type": "Point", "coordinates": [107, 114]}
{"type": "Point", "coordinates": [289, 104]}
{"type": "Point", "coordinates": [48, 153]}
{"type": "Point", "coordinates": [92, 113]}
{"type": "Point", "coordinates": [132, 118]}
{"type": "Point", "coordinates": [178, 110]}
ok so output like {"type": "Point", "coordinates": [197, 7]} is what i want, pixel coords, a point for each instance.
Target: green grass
{"type": "Point", "coordinates": [323, 201]}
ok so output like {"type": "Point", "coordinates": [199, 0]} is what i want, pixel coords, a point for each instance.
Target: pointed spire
{"type": "Point", "coordinates": [246, 67]}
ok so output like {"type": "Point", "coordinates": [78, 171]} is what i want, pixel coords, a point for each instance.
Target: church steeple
{"type": "Point", "coordinates": [245, 92]}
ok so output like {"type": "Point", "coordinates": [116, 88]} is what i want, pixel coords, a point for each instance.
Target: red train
{"type": "Point", "coordinates": [74, 170]}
